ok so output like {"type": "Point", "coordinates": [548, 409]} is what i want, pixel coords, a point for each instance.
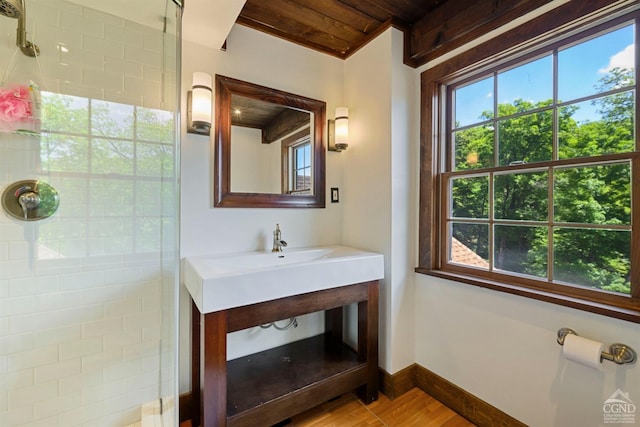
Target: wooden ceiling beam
{"type": "Point", "coordinates": [456, 23]}
{"type": "Point", "coordinates": [287, 122]}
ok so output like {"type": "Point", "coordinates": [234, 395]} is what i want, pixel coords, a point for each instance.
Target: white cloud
{"type": "Point", "coordinates": [623, 59]}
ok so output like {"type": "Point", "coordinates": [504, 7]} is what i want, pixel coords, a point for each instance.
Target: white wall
{"type": "Point", "coordinates": [255, 167]}
{"type": "Point", "coordinates": [376, 196]}
{"type": "Point", "coordinates": [502, 348]}
{"type": "Point", "coordinates": [405, 154]}
{"type": "Point", "coordinates": [271, 62]}
{"type": "Point", "coordinates": [268, 61]}
{"type": "Point", "coordinates": [381, 94]}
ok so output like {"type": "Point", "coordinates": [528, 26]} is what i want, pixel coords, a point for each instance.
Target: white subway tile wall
{"type": "Point", "coordinates": [81, 293]}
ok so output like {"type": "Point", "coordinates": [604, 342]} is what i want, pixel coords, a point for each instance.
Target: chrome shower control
{"type": "Point", "coordinates": [30, 200]}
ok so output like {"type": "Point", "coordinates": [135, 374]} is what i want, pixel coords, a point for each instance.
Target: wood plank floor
{"type": "Point", "coordinates": [414, 408]}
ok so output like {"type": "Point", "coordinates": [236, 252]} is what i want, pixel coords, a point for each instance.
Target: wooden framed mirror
{"type": "Point", "coordinates": [269, 147]}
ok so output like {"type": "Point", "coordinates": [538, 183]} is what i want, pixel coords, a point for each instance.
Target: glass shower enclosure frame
{"type": "Point", "coordinates": [88, 295]}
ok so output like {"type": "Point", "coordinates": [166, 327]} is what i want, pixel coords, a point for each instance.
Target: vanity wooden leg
{"type": "Point", "coordinates": [333, 324]}
{"type": "Point", "coordinates": [213, 409]}
{"type": "Point", "coordinates": [368, 342]}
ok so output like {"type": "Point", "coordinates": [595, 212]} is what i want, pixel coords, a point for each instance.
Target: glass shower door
{"type": "Point", "coordinates": [88, 295]}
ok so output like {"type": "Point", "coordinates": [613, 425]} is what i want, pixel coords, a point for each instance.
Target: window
{"type": "Point", "coordinates": [531, 168]}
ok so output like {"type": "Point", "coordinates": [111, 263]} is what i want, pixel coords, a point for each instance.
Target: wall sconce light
{"type": "Point", "coordinates": [338, 130]}
{"type": "Point", "coordinates": [199, 104]}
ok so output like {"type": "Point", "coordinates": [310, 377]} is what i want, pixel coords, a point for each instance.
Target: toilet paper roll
{"type": "Point", "coordinates": [582, 350]}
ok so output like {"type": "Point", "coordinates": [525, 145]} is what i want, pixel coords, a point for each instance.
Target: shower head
{"type": "Point", "coordinates": [11, 8]}
{"type": "Point", "coordinates": [17, 9]}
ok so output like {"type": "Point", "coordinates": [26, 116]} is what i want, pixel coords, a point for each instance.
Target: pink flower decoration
{"type": "Point", "coordinates": [15, 106]}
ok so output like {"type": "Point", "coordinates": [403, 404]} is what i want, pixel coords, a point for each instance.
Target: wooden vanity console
{"type": "Point", "coordinates": [270, 386]}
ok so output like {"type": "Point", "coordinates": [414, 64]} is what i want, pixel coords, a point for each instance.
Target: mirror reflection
{"type": "Point", "coordinates": [269, 147]}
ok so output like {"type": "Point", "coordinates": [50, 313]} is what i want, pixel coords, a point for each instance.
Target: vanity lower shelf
{"type": "Point", "coordinates": [284, 376]}
{"type": "Point", "coordinates": [270, 386]}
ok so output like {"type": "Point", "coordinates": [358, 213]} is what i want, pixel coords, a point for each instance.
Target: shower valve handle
{"type": "Point", "coordinates": [28, 199]}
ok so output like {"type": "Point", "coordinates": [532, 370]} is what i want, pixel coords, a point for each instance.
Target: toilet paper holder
{"type": "Point", "coordinates": [618, 353]}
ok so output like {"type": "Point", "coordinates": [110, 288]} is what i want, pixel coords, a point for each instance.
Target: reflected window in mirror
{"type": "Point", "coordinates": [296, 163]}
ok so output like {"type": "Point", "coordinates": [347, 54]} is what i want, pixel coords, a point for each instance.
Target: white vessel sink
{"type": "Point", "coordinates": [221, 282]}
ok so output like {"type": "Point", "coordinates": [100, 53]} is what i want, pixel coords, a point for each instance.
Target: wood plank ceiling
{"type": "Point", "coordinates": [337, 27]}
{"type": "Point", "coordinates": [341, 27]}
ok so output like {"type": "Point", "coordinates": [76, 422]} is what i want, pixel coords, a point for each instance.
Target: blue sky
{"type": "Point", "coordinates": [580, 67]}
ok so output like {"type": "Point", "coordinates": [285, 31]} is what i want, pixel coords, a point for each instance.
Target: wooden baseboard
{"type": "Point", "coordinates": [184, 407]}
{"type": "Point", "coordinates": [399, 383]}
{"type": "Point", "coordinates": [464, 403]}
{"type": "Point", "coordinates": [461, 401]}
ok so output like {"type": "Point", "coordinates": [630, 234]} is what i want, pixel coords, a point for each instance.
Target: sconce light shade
{"type": "Point", "coordinates": [339, 130]}
{"type": "Point", "coordinates": [199, 101]}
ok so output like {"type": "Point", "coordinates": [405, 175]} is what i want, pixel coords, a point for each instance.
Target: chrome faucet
{"type": "Point", "coordinates": [278, 243]}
